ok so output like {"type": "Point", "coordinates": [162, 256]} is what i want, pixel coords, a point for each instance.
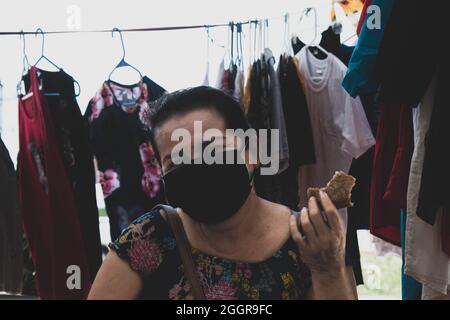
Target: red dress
{"type": "Point", "coordinates": [392, 161]}
{"type": "Point", "coordinates": [50, 218]}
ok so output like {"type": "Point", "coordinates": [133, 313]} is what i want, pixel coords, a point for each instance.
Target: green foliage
{"type": "Point", "coordinates": [102, 212]}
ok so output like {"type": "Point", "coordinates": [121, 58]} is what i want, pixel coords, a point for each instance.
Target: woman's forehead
{"type": "Point", "coordinates": [194, 123]}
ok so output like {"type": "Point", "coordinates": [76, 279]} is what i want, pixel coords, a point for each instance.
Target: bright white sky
{"type": "Point", "coordinates": [174, 59]}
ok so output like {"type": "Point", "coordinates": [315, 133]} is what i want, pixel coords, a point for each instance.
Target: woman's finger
{"type": "Point", "coordinates": [307, 227]}
{"type": "Point", "coordinates": [316, 218]}
{"type": "Point", "coordinates": [331, 212]}
{"type": "Point", "coordinates": [297, 236]}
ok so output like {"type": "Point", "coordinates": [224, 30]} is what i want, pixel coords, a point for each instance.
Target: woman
{"type": "Point", "coordinates": [243, 246]}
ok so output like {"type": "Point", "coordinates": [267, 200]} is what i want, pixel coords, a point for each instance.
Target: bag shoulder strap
{"type": "Point", "coordinates": [172, 217]}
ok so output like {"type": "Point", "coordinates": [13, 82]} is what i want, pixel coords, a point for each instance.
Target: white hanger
{"type": "Point", "coordinates": [287, 46]}
{"type": "Point", "coordinates": [316, 27]}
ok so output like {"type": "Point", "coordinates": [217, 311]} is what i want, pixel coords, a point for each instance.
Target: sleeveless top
{"type": "Point", "coordinates": [149, 246]}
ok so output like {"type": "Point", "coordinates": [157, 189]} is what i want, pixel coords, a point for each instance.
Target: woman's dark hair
{"type": "Point", "coordinates": [199, 98]}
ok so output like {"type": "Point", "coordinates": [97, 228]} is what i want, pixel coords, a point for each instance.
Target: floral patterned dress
{"type": "Point", "coordinates": [127, 168]}
{"type": "Point", "coordinates": [149, 246]}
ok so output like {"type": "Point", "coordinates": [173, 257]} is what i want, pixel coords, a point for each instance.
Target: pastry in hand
{"type": "Point", "coordinates": [339, 189]}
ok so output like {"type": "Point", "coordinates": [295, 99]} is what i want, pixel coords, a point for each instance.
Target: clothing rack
{"type": "Point", "coordinates": [162, 28]}
{"type": "Point", "coordinates": [170, 28]}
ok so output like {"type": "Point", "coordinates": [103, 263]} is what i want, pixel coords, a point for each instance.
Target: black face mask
{"type": "Point", "coordinates": [211, 193]}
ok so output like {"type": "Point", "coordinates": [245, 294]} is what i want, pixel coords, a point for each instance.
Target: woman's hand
{"type": "Point", "coordinates": [321, 243]}
{"type": "Point", "coordinates": [320, 238]}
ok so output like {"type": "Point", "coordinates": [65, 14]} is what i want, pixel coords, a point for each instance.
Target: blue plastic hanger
{"type": "Point", "coordinates": [122, 62]}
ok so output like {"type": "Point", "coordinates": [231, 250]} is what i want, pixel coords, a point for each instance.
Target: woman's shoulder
{"type": "Point", "coordinates": [143, 227]}
{"type": "Point", "coordinates": [145, 242]}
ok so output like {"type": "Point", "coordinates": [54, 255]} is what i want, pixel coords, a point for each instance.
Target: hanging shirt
{"type": "Point", "coordinates": [127, 167]}
{"type": "Point", "coordinates": [277, 114]}
{"type": "Point", "coordinates": [239, 81]}
{"type": "Point", "coordinates": [360, 77]}
{"type": "Point", "coordinates": [436, 172]}
{"type": "Point", "coordinates": [405, 66]}
{"type": "Point", "coordinates": [424, 258]}
{"type": "Point", "coordinates": [296, 114]}
{"type": "Point", "coordinates": [392, 159]}
{"type": "Point", "coordinates": [339, 125]}
{"type": "Point", "coordinates": [411, 289]}
{"type": "Point", "coordinates": [11, 259]}
{"type": "Point", "coordinates": [1, 108]}
{"type": "Point", "coordinates": [206, 78]}
{"type": "Point", "coordinates": [226, 79]}
{"type": "Point", "coordinates": [259, 116]}
{"type": "Point", "coordinates": [49, 211]}
{"type": "Point", "coordinates": [74, 149]}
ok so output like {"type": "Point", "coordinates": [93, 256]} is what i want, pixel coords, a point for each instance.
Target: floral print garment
{"type": "Point", "coordinates": [149, 246]}
{"type": "Point", "coordinates": [127, 168]}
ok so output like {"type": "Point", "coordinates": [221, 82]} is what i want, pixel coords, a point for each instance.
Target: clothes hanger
{"type": "Point", "coordinates": [349, 38]}
{"type": "Point", "coordinates": [26, 67]}
{"type": "Point", "coordinates": [43, 57]}
{"type": "Point", "coordinates": [239, 47]}
{"type": "Point", "coordinates": [287, 49]}
{"type": "Point", "coordinates": [39, 30]}
{"type": "Point", "coordinates": [208, 42]}
{"type": "Point", "coordinates": [232, 48]}
{"type": "Point", "coordinates": [315, 48]}
{"type": "Point", "coordinates": [268, 54]}
{"type": "Point", "coordinates": [122, 62]}
{"type": "Point", "coordinates": [255, 35]}
{"type": "Point", "coordinates": [250, 57]}
{"type": "Point", "coordinates": [258, 40]}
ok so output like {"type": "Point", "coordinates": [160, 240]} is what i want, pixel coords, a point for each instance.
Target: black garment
{"type": "Point", "coordinates": [258, 114]}
{"type": "Point", "coordinates": [296, 115]}
{"type": "Point", "coordinates": [433, 192]}
{"type": "Point", "coordinates": [11, 262]}
{"type": "Point", "coordinates": [331, 42]}
{"type": "Point", "coordinates": [284, 186]}
{"type": "Point", "coordinates": [361, 169]}
{"type": "Point", "coordinates": [404, 65]}
{"type": "Point", "coordinates": [346, 53]}
{"type": "Point", "coordinates": [297, 45]}
{"type": "Point", "coordinates": [232, 78]}
{"type": "Point", "coordinates": [75, 151]}
{"type": "Point", "coordinates": [259, 117]}
{"type": "Point", "coordinates": [126, 163]}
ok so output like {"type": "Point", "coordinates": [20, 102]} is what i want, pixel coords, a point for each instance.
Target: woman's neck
{"type": "Point", "coordinates": [240, 223]}
{"type": "Point", "coordinates": [225, 238]}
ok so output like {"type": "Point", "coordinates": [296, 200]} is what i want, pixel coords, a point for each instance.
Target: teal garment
{"type": "Point", "coordinates": [360, 74]}
{"type": "Point", "coordinates": [411, 289]}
